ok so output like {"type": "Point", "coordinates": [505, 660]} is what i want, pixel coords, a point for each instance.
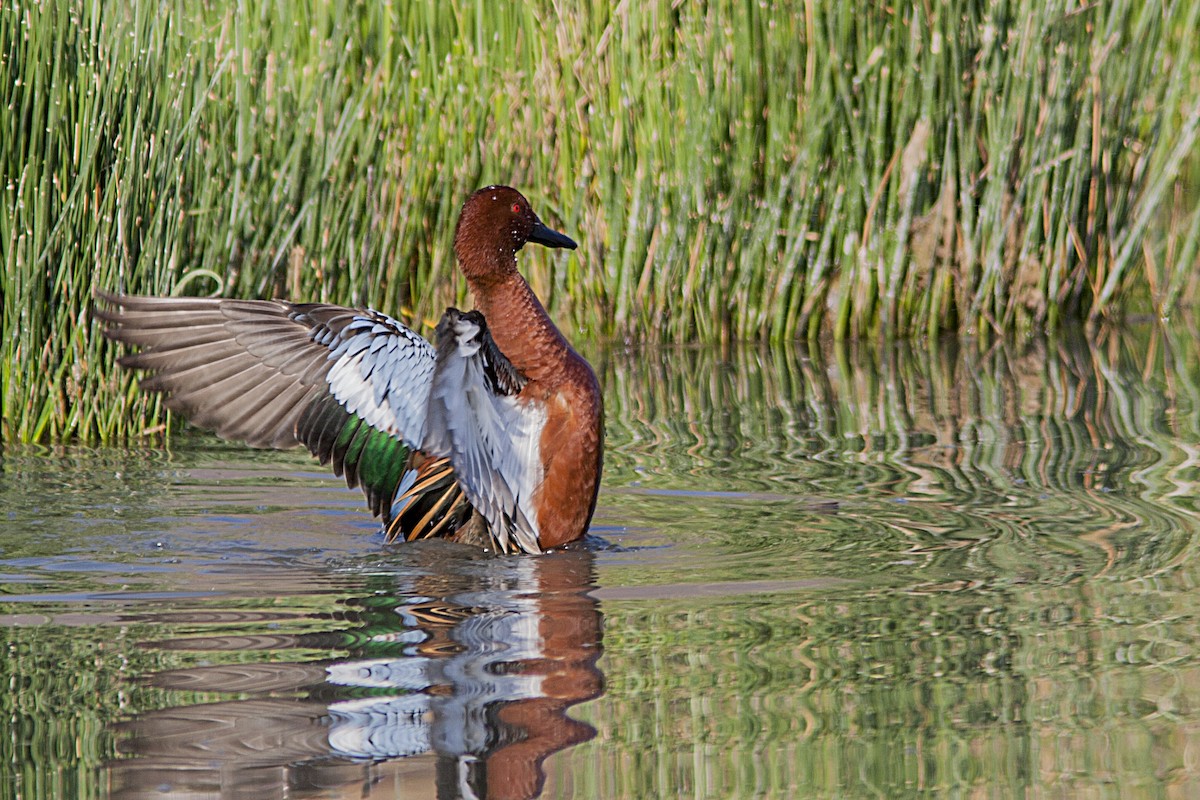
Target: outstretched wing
{"type": "Point", "coordinates": [350, 385]}
{"type": "Point", "coordinates": [477, 417]}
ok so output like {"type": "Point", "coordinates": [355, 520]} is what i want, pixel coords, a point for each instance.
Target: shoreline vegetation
{"type": "Point", "coordinates": [732, 171]}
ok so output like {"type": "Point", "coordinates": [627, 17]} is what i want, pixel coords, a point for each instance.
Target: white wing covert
{"type": "Point", "coordinates": [381, 371]}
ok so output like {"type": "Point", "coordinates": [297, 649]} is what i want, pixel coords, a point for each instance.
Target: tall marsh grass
{"type": "Point", "coordinates": [731, 170]}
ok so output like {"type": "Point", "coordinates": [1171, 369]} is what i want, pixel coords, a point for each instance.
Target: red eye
{"type": "Point", "coordinates": [516, 208]}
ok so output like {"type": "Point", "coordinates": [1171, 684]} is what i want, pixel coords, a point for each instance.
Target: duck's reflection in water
{"type": "Point", "coordinates": [460, 680]}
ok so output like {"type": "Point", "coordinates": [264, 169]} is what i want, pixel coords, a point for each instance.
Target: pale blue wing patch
{"type": "Point", "coordinates": [381, 371]}
{"type": "Point", "coordinates": [493, 439]}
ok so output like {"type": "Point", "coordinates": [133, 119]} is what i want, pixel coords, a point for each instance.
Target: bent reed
{"type": "Point", "coordinates": [731, 170]}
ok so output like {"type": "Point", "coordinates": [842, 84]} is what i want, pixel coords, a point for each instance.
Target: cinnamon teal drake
{"type": "Point", "coordinates": [492, 435]}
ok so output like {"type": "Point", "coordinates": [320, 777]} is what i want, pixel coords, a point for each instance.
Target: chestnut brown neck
{"type": "Point", "coordinates": [520, 325]}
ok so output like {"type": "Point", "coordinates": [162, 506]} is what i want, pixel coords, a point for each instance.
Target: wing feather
{"type": "Point", "coordinates": [351, 385]}
{"type": "Point", "coordinates": [371, 351]}
{"type": "Point", "coordinates": [491, 435]}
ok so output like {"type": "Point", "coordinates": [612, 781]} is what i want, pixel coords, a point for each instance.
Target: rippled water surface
{"type": "Point", "coordinates": [928, 570]}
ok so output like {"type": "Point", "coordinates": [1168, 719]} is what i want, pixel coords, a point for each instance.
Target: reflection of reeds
{"type": "Point", "coordinates": [732, 170]}
{"type": "Point", "coordinates": [1047, 619]}
{"type": "Point", "coordinates": [896, 694]}
{"type": "Point", "coordinates": [993, 441]}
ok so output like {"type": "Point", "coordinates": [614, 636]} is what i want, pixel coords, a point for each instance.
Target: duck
{"type": "Point", "coordinates": [491, 434]}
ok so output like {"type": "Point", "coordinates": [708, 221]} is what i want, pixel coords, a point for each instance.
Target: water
{"type": "Point", "coordinates": [924, 570]}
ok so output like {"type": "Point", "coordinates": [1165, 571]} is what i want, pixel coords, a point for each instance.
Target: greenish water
{"type": "Point", "coordinates": [927, 570]}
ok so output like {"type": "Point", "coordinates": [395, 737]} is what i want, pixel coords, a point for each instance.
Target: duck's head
{"type": "Point", "coordinates": [495, 223]}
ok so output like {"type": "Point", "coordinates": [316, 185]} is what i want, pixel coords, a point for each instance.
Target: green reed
{"type": "Point", "coordinates": [731, 170]}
